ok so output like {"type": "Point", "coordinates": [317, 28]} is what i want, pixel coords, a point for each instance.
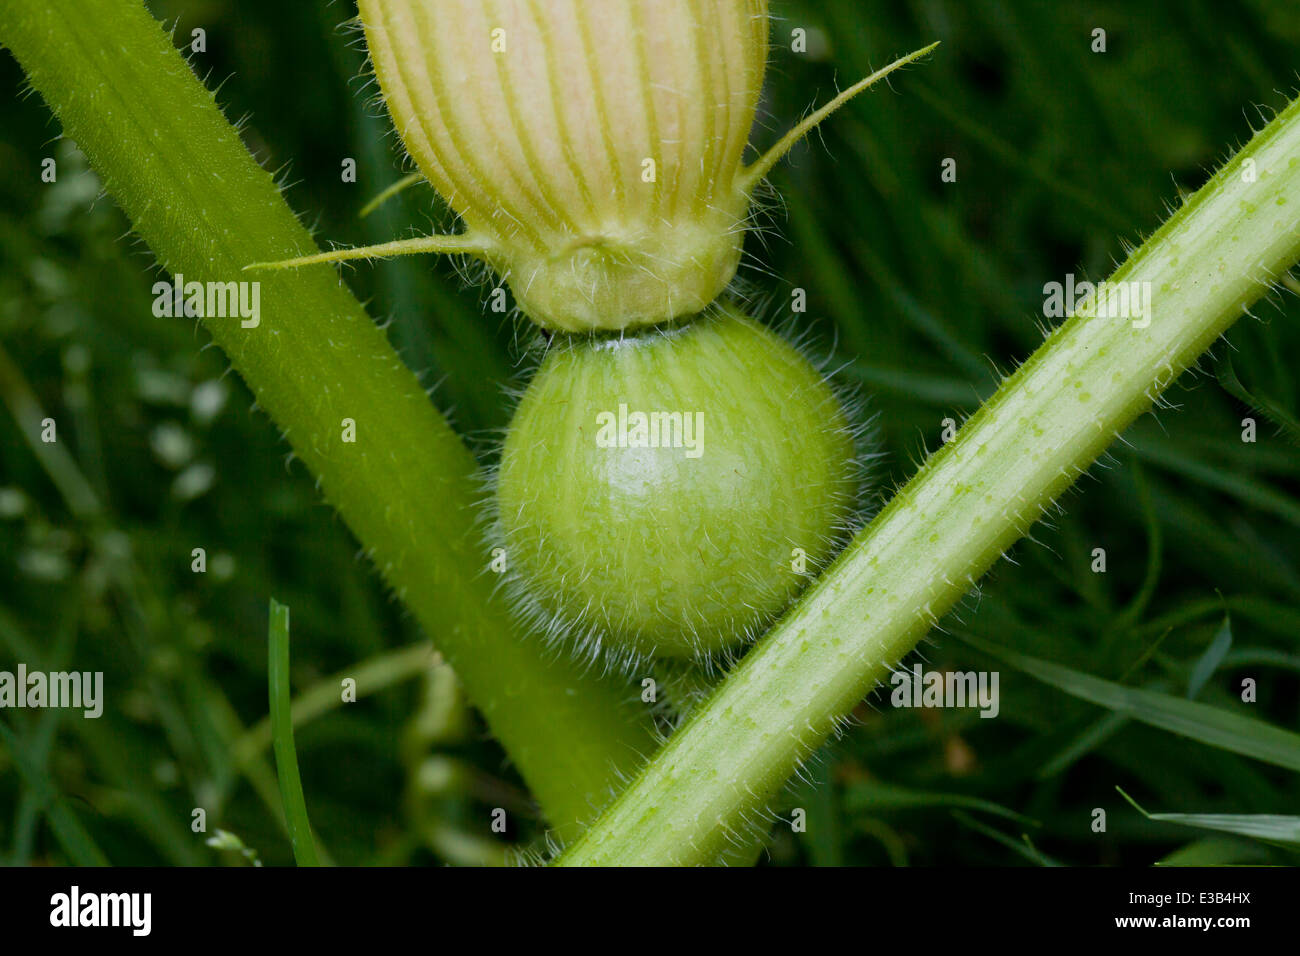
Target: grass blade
{"type": "Point", "coordinates": [1268, 827]}
{"type": "Point", "coordinates": [72, 836]}
{"type": "Point", "coordinates": [883, 796]}
{"type": "Point", "coordinates": [1208, 725]}
{"type": "Point", "coordinates": [1216, 851]}
{"type": "Point", "coordinates": [1211, 660]}
{"type": "Point", "coordinates": [286, 757]}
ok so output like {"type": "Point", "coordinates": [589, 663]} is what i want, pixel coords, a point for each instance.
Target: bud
{"type": "Point", "coordinates": [596, 146]}
{"type": "Point", "coordinates": [592, 148]}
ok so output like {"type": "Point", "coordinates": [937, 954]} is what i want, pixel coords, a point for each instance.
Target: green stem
{"type": "Point", "coordinates": [286, 756]}
{"type": "Point", "coordinates": [974, 498]}
{"type": "Point", "coordinates": [405, 486]}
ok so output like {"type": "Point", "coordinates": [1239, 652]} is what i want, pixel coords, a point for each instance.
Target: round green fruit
{"type": "Point", "coordinates": [666, 493]}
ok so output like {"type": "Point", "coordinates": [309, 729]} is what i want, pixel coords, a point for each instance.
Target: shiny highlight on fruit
{"type": "Point", "coordinates": [667, 493]}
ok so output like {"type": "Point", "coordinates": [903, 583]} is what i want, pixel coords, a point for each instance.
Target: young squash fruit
{"type": "Point", "coordinates": [668, 492]}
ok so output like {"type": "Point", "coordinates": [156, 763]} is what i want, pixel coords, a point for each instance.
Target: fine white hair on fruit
{"type": "Point", "coordinates": [593, 628]}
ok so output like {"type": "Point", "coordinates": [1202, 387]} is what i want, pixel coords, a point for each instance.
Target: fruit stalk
{"type": "Point", "coordinates": [972, 499]}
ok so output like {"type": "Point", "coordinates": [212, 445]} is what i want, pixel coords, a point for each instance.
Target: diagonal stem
{"type": "Point", "coordinates": [971, 501]}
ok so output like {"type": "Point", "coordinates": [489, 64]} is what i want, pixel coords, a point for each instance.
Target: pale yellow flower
{"type": "Point", "coordinates": [592, 148]}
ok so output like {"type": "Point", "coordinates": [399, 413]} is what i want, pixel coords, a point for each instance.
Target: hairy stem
{"type": "Point", "coordinates": [973, 499]}
{"type": "Point", "coordinates": [406, 484]}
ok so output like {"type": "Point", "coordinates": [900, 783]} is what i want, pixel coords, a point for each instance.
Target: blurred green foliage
{"type": "Point", "coordinates": [924, 291]}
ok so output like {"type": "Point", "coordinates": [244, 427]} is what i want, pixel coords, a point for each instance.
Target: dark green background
{"type": "Point", "coordinates": [925, 291]}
